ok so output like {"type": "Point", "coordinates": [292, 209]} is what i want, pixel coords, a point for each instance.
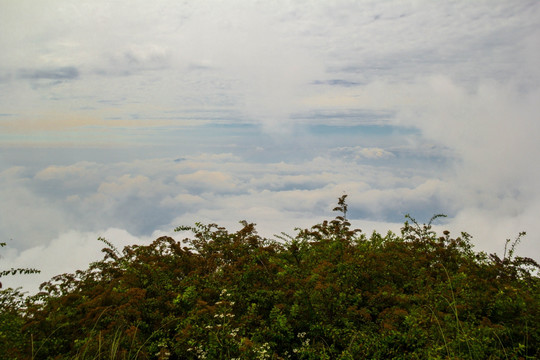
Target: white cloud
{"type": "Point", "coordinates": [207, 181]}
{"type": "Point", "coordinates": [25, 216]}
{"type": "Point", "coordinates": [360, 152]}
{"type": "Point", "coordinates": [182, 200]}
{"type": "Point", "coordinates": [66, 253]}
{"type": "Point", "coordinates": [278, 197]}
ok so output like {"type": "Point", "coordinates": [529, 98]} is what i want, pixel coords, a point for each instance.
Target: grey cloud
{"type": "Point", "coordinates": [60, 73]}
{"type": "Point", "coordinates": [358, 153]}
{"type": "Point", "coordinates": [5, 76]}
{"type": "Point", "coordinates": [146, 195]}
{"type": "Point", "coordinates": [135, 59]}
{"type": "Point", "coordinates": [421, 197]}
{"type": "Point", "coordinates": [425, 151]}
{"type": "Point", "coordinates": [338, 82]}
{"type": "Point", "coordinates": [352, 116]}
{"type": "Point", "coordinates": [200, 67]}
{"type": "Point", "coordinates": [428, 42]}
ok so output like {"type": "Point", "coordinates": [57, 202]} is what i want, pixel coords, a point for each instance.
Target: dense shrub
{"type": "Point", "coordinates": [11, 316]}
{"type": "Point", "coordinates": [329, 292]}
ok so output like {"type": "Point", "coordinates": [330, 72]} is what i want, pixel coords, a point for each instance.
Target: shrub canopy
{"type": "Point", "coordinates": [329, 292]}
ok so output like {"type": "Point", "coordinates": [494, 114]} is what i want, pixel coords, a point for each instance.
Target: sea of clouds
{"type": "Point", "coordinates": [126, 119]}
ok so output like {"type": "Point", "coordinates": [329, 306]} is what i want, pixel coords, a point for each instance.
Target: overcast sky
{"type": "Point", "coordinates": [127, 118]}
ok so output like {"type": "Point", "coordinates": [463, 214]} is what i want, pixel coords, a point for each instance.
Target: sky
{"type": "Point", "coordinates": [125, 119]}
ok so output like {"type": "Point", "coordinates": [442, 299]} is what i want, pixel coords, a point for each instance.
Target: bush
{"type": "Point", "coordinates": [329, 292]}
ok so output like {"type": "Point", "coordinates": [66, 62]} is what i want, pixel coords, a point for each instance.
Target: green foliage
{"type": "Point", "coordinates": [329, 292]}
{"type": "Point", "coordinates": [12, 315]}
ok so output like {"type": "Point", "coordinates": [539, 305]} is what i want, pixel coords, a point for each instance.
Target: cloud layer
{"type": "Point", "coordinates": [126, 119]}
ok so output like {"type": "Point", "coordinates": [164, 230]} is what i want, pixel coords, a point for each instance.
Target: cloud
{"type": "Point", "coordinates": [145, 195]}
{"type": "Point", "coordinates": [251, 60]}
{"type": "Point", "coordinates": [65, 173]}
{"type": "Point", "coordinates": [337, 82]}
{"type": "Point", "coordinates": [50, 258]}
{"type": "Point", "coordinates": [267, 62]}
{"type": "Point", "coordinates": [272, 110]}
{"type": "Point", "coordinates": [65, 204]}
{"type": "Point", "coordinates": [489, 133]}
{"type": "Point", "coordinates": [203, 181]}
{"type": "Point", "coordinates": [490, 129]}
{"type": "Point", "coordinates": [61, 73]}
{"type": "Point", "coordinates": [359, 153]}
{"type": "Point", "coordinates": [135, 58]}
{"type": "Point", "coordinates": [186, 199]}
{"type": "Point", "coordinates": [85, 128]}
{"type": "Point", "coordinates": [26, 217]}
{"type": "Point", "coordinates": [126, 186]}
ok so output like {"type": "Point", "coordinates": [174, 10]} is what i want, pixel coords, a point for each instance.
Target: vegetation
{"type": "Point", "coordinates": [329, 292]}
{"type": "Point", "coordinates": [11, 312]}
